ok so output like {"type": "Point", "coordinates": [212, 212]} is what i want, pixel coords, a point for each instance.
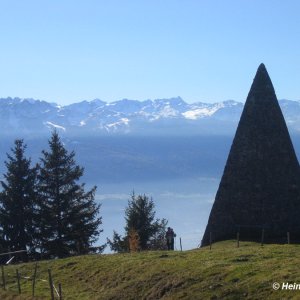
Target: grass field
{"type": "Point", "coordinates": [225, 272]}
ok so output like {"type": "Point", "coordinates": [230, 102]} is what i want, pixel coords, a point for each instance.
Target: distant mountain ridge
{"type": "Point", "coordinates": [171, 116]}
{"type": "Point", "coordinates": [131, 140]}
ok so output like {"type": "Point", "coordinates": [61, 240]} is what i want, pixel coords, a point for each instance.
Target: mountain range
{"type": "Point", "coordinates": [131, 140]}
{"type": "Point", "coordinates": [174, 116]}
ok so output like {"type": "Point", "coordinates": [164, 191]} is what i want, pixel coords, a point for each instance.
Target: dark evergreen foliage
{"type": "Point", "coordinates": [118, 243]}
{"type": "Point", "coordinates": [140, 216]}
{"type": "Point", "coordinates": [69, 216]}
{"type": "Point", "coordinates": [18, 201]}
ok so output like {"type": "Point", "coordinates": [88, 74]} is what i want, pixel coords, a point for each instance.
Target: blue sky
{"type": "Point", "coordinates": [67, 51]}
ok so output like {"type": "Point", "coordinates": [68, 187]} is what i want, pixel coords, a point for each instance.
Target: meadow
{"type": "Point", "coordinates": [224, 272]}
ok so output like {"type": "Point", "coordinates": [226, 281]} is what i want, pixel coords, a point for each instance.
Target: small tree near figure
{"type": "Point", "coordinates": [134, 240]}
{"type": "Point", "coordinates": [140, 220]}
{"type": "Point", "coordinates": [69, 216]}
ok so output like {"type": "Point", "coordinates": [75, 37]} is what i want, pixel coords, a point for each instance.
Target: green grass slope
{"type": "Point", "coordinates": [225, 272]}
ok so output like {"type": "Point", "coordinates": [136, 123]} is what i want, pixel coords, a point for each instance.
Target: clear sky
{"type": "Point", "coordinates": [67, 51]}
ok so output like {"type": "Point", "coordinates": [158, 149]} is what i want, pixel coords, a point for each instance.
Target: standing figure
{"type": "Point", "coordinates": [170, 235]}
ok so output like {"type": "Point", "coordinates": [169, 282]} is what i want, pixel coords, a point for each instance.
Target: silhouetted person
{"type": "Point", "coordinates": [170, 235]}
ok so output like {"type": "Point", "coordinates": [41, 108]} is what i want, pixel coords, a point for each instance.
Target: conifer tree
{"type": "Point", "coordinates": [140, 216]}
{"type": "Point", "coordinates": [69, 216]}
{"type": "Point", "coordinates": [140, 220]}
{"type": "Point", "coordinates": [18, 201]}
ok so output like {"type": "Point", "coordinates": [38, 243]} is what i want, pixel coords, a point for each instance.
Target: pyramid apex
{"type": "Point", "coordinates": [262, 66]}
{"type": "Point", "coordinates": [262, 84]}
{"type": "Point", "coordinates": [262, 69]}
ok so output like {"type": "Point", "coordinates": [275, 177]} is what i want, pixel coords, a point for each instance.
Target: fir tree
{"type": "Point", "coordinates": [69, 216]}
{"type": "Point", "coordinates": [140, 216]}
{"type": "Point", "coordinates": [18, 201]}
{"type": "Point", "coordinates": [140, 219]}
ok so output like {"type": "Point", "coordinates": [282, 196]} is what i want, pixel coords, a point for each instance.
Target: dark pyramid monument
{"type": "Point", "coordinates": [260, 187]}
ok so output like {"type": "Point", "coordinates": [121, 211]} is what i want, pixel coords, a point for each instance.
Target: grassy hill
{"type": "Point", "coordinates": [225, 272]}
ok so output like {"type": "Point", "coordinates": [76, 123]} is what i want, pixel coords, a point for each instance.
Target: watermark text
{"type": "Point", "coordinates": [286, 286]}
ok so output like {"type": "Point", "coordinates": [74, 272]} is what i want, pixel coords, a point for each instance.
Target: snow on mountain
{"type": "Point", "coordinates": [202, 110]}
{"type": "Point", "coordinates": [161, 116]}
{"type": "Point", "coordinates": [54, 126]}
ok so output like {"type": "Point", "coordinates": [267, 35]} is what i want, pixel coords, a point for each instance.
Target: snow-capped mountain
{"type": "Point", "coordinates": [133, 140]}
{"type": "Point", "coordinates": [150, 117]}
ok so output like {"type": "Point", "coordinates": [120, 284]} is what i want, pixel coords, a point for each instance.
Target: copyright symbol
{"type": "Point", "coordinates": [276, 286]}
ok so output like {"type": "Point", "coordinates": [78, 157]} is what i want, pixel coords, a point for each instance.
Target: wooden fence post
{"type": "Point", "coordinates": [180, 244]}
{"type": "Point", "coordinates": [60, 291]}
{"type": "Point", "coordinates": [34, 278]}
{"type": "Point", "coordinates": [288, 238]}
{"type": "Point", "coordinates": [210, 240]}
{"type": "Point", "coordinates": [3, 278]}
{"type": "Point", "coordinates": [238, 239]}
{"type": "Point", "coordinates": [51, 284]}
{"type": "Point", "coordinates": [18, 281]}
